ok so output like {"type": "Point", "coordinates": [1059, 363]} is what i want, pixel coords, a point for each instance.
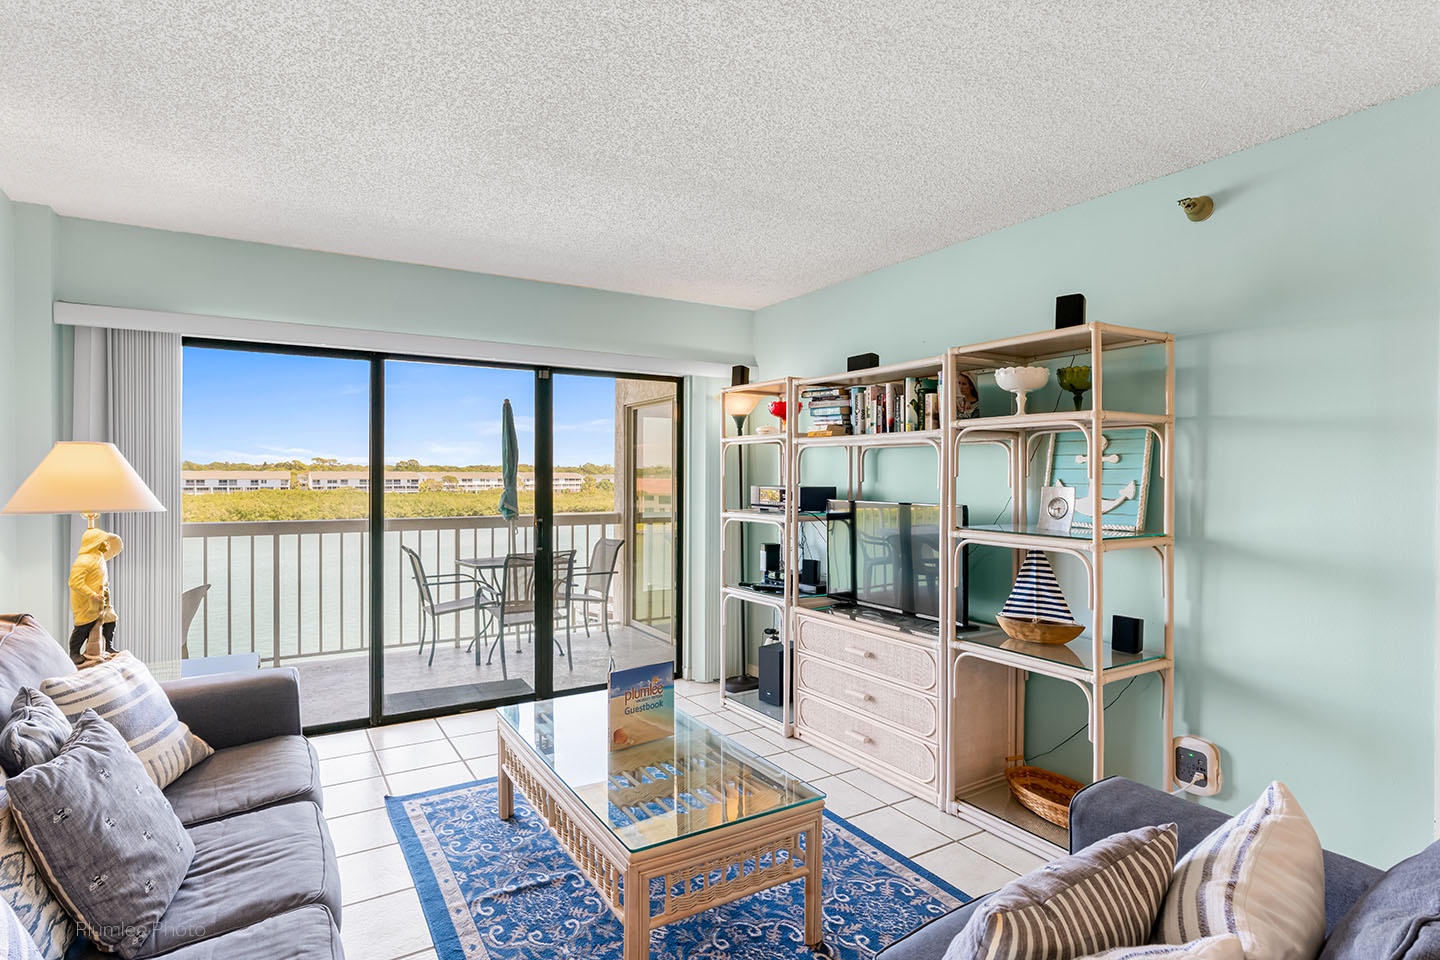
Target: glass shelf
{"type": "Point", "coordinates": [1029, 536]}
{"type": "Point", "coordinates": [1078, 654]}
{"type": "Point", "coordinates": [750, 595]}
{"type": "Point", "coordinates": [1061, 420]}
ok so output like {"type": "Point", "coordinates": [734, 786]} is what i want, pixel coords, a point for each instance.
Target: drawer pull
{"type": "Point", "coordinates": [862, 654]}
{"type": "Point", "coordinates": [858, 737]}
{"type": "Point", "coordinates": [860, 695]}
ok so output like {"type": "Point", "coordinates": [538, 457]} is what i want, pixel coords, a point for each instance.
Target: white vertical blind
{"type": "Point", "coordinates": [142, 418]}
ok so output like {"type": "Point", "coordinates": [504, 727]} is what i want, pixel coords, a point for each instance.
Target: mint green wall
{"type": "Point", "coordinates": [123, 266]}
{"type": "Point", "coordinates": [8, 480]}
{"type": "Point", "coordinates": [1305, 313]}
{"type": "Point", "coordinates": [32, 397]}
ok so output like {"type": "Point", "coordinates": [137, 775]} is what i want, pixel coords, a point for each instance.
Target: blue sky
{"type": "Point", "coordinates": [252, 407]}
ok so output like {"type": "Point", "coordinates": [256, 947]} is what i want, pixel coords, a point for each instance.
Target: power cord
{"type": "Point", "coordinates": [1082, 729]}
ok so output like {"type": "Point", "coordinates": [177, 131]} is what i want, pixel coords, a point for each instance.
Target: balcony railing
{"type": "Point", "coordinates": [295, 589]}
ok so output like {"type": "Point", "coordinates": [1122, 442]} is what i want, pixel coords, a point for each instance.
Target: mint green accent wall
{"type": "Point", "coordinates": [36, 578]}
{"type": "Point", "coordinates": [122, 266]}
{"type": "Point", "coordinates": [8, 412]}
{"type": "Point", "coordinates": [1305, 314]}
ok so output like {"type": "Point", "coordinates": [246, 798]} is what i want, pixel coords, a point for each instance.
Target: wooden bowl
{"type": "Point", "coordinates": [1039, 631]}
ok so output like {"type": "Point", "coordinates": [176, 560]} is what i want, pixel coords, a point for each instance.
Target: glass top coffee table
{"type": "Point", "coordinates": [691, 821]}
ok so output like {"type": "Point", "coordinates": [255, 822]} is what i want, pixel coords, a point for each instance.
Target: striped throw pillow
{"type": "Point", "coordinates": [1103, 897]}
{"type": "Point", "coordinates": [1225, 947]}
{"type": "Point", "coordinates": [1260, 876]}
{"type": "Point", "coordinates": [122, 691]}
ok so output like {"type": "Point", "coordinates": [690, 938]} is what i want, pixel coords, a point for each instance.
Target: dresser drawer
{"type": "Point", "coordinates": [906, 755]}
{"type": "Point", "coordinates": [913, 667]}
{"type": "Point", "coordinates": [912, 712]}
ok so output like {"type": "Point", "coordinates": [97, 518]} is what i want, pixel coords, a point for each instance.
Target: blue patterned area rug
{"type": "Point", "coordinates": [506, 890]}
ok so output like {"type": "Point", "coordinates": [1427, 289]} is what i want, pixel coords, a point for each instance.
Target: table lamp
{"type": "Point", "coordinates": [88, 479]}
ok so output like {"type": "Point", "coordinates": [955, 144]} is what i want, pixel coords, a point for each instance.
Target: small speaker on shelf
{"type": "Point", "coordinates": [809, 573]}
{"type": "Point", "coordinates": [862, 361]}
{"type": "Point", "coordinates": [739, 375]}
{"type": "Point", "coordinates": [1127, 634]}
{"type": "Point", "coordinates": [1069, 310]}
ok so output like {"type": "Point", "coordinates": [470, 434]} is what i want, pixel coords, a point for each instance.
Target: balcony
{"type": "Point", "coordinates": [297, 594]}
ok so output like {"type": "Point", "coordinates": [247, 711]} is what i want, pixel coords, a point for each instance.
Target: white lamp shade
{"type": "Point", "coordinates": [740, 404]}
{"type": "Point", "coordinates": [83, 477]}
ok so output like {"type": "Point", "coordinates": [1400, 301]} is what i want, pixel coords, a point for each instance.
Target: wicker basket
{"type": "Point", "coordinates": [1041, 792]}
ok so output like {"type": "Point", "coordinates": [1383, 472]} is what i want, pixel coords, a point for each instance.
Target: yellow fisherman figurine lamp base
{"type": "Point", "coordinates": [91, 479]}
{"type": "Point", "coordinates": [93, 639]}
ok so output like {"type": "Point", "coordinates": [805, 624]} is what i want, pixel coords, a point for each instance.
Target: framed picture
{"type": "Point", "coordinates": [1125, 479]}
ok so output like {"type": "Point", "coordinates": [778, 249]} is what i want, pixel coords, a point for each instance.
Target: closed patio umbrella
{"type": "Point", "coordinates": [509, 464]}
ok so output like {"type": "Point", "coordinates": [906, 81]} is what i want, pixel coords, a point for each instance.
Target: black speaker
{"type": "Point", "coordinates": [862, 361]}
{"type": "Point", "coordinates": [739, 375]}
{"type": "Point", "coordinates": [809, 573]}
{"type": "Point", "coordinates": [1069, 310]}
{"type": "Point", "coordinates": [772, 560]}
{"type": "Point", "coordinates": [1127, 634]}
{"type": "Point", "coordinates": [772, 663]}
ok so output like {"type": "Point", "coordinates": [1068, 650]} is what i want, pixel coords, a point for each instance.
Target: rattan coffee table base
{"type": "Point", "coordinates": [699, 872]}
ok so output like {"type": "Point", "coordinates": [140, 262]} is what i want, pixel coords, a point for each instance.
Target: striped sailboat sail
{"type": "Point", "coordinates": [1036, 594]}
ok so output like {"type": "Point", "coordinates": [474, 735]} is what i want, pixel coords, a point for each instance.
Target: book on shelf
{"type": "Point", "coordinates": [830, 418]}
{"type": "Point", "coordinates": [830, 407]}
{"type": "Point", "coordinates": [822, 393]}
{"type": "Point", "coordinates": [831, 430]}
{"type": "Point", "coordinates": [859, 407]}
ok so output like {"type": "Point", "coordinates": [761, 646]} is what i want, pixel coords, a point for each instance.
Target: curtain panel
{"type": "Point", "coordinates": [127, 391]}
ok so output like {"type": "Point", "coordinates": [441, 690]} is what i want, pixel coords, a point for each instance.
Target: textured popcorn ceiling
{"type": "Point", "coordinates": [727, 152]}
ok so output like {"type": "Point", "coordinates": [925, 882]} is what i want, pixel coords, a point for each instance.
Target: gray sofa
{"type": "Point", "coordinates": [264, 881]}
{"type": "Point", "coordinates": [1116, 805]}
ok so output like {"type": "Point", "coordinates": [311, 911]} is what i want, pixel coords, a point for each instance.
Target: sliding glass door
{"type": "Point", "coordinates": [275, 521]}
{"type": "Point", "coordinates": [363, 519]}
{"type": "Point", "coordinates": [462, 628]}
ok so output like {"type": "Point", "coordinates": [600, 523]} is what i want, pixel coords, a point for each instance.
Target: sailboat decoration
{"type": "Point", "coordinates": [1036, 610]}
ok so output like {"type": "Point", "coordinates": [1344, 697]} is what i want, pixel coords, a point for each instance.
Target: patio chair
{"type": "Point", "coordinates": [469, 598]}
{"type": "Point", "coordinates": [512, 603]}
{"type": "Point", "coordinates": [190, 602]}
{"type": "Point", "coordinates": [604, 558]}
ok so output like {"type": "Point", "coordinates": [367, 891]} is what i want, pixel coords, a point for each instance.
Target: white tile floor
{"type": "Point", "coordinates": [382, 918]}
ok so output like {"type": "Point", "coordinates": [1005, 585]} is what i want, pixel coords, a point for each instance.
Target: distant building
{"type": "Point", "coordinates": [233, 481]}
{"type": "Point", "coordinates": [463, 481]}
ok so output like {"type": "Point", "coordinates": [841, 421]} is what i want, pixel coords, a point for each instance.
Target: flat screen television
{"type": "Point", "coordinates": [886, 556]}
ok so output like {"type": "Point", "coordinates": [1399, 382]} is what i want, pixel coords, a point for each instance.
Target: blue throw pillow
{"type": "Point", "coordinates": [36, 732]}
{"type": "Point", "coordinates": [1397, 919]}
{"type": "Point", "coordinates": [104, 835]}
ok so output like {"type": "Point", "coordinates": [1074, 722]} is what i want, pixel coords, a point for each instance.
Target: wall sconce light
{"type": "Point", "coordinates": [1198, 208]}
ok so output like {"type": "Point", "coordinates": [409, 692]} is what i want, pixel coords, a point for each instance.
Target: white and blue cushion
{"type": "Point", "coordinates": [24, 889]}
{"type": "Point", "coordinates": [1259, 876]}
{"type": "Point", "coordinates": [15, 942]}
{"type": "Point", "coordinates": [122, 691]}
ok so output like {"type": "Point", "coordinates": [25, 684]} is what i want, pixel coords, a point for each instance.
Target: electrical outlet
{"type": "Point", "coordinates": [1197, 766]}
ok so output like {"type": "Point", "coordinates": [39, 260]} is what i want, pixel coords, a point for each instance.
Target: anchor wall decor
{"type": "Point", "coordinates": [1125, 476]}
